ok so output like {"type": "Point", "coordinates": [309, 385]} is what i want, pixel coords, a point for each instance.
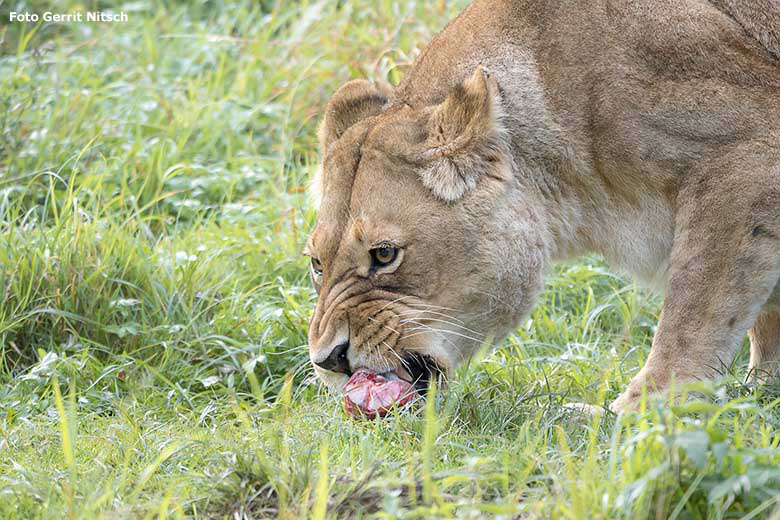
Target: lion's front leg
{"type": "Point", "coordinates": [724, 265]}
{"type": "Point", "coordinates": [765, 346]}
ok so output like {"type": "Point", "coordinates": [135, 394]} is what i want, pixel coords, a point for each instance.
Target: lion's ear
{"type": "Point", "coordinates": [465, 137]}
{"type": "Point", "coordinates": [355, 100]}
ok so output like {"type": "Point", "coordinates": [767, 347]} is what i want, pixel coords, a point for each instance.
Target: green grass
{"type": "Point", "coordinates": [153, 303]}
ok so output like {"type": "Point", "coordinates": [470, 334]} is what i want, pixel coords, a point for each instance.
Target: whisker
{"type": "Point", "coordinates": [417, 334]}
{"type": "Point", "coordinates": [433, 330]}
{"type": "Point", "coordinates": [444, 331]}
{"type": "Point", "coordinates": [388, 367]}
{"type": "Point", "coordinates": [396, 354]}
{"type": "Point", "coordinates": [418, 304]}
{"type": "Point", "coordinates": [388, 327]}
{"type": "Point", "coordinates": [446, 322]}
{"type": "Point", "coordinates": [406, 313]}
{"type": "Point", "coordinates": [394, 301]}
{"type": "Point", "coordinates": [494, 297]}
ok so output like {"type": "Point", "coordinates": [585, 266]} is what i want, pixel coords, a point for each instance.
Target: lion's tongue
{"type": "Point", "coordinates": [370, 395]}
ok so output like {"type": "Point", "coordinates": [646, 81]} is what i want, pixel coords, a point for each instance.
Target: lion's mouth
{"type": "Point", "coordinates": [369, 394]}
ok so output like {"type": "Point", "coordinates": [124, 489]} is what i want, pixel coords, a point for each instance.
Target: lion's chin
{"type": "Point", "coordinates": [333, 380]}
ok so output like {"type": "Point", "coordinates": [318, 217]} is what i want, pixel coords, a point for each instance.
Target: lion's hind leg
{"type": "Point", "coordinates": [765, 346]}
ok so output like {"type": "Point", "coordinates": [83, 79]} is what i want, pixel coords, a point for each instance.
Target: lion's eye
{"type": "Point", "coordinates": [316, 266]}
{"type": "Point", "coordinates": [384, 255]}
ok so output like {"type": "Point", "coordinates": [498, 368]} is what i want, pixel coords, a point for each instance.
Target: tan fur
{"type": "Point", "coordinates": [765, 346]}
{"type": "Point", "coordinates": [532, 131]}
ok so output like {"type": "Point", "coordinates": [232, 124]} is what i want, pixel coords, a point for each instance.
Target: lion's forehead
{"type": "Point", "coordinates": [339, 169]}
{"type": "Point", "coordinates": [352, 198]}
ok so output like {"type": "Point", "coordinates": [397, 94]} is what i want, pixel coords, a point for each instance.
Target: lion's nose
{"type": "Point", "coordinates": [337, 360]}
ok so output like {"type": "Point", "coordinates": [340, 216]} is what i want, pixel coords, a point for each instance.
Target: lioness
{"type": "Point", "coordinates": [534, 131]}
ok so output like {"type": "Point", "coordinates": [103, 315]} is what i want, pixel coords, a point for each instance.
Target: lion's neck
{"type": "Point", "coordinates": [597, 154]}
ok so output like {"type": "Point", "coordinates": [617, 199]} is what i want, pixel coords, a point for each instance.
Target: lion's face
{"type": "Point", "coordinates": [418, 256]}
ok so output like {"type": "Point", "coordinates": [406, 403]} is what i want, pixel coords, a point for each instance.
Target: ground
{"type": "Point", "coordinates": [153, 303]}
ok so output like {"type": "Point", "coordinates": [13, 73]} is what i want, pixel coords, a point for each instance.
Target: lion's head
{"type": "Point", "coordinates": [425, 246]}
